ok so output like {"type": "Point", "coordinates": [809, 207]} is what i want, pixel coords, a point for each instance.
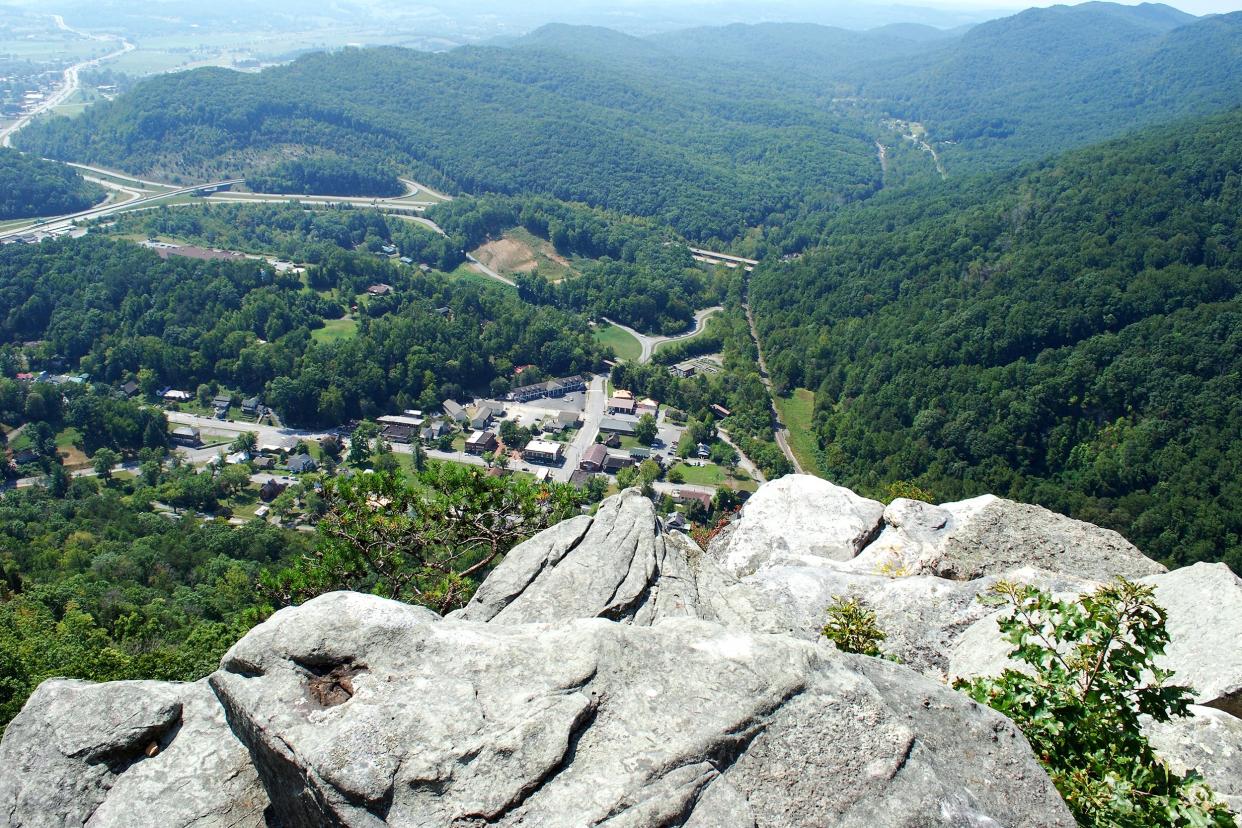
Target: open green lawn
{"type": "Point", "coordinates": [624, 345]}
{"type": "Point", "coordinates": [335, 330]}
{"type": "Point", "coordinates": [466, 273]}
{"type": "Point", "coordinates": [713, 475]}
{"type": "Point", "coordinates": [708, 475]}
{"type": "Point", "coordinates": [797, 412]}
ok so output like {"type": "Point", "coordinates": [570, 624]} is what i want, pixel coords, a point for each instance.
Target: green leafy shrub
{"type": "Point", "coordinates": [852, 627]}
{"type": "Point", "coordinates": [1089, 676]}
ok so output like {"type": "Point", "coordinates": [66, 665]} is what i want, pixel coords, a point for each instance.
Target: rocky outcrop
{"type": "Point", "coordinates": [616, 565]}
{"type": "Point", "coordinates": [1204, 603]}
{"type": "Point", "coordinates": [1209, 741]}
{"type": "Point", "coordinates": [131, 753]}
{"type": "Point", "coordinates": [609, 673]}
{"type": "Point", "coordinates": [798, 519]}
{"type": "Point", "coordinates": [804, 521]}
{"type": "Point", "coordinates": [589, 722]}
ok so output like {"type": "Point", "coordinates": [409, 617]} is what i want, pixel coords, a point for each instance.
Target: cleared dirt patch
{"type": "Point", "coordinates": [507, 256]}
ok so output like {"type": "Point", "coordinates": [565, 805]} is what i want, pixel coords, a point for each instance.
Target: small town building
{"type": "Point", "coordinates": [481, 442]}
{"type": "Point", "coordinates": [647, 406]}
{"type": "Point", "coordinates": [720, 410]}
{"type": "Point", "coordinates": [172, 395]}
{"type": "Point", "coordinates": [622, 394]}
{"type": "Point", "coordinates": [677, 522]}
{"type": "Point", "coordinates": [579, 479]}
{"type": "Point", "coordinates": [302, 464]}
{"type": "Point", "coordinates": [543, 451]}
{"type": "Point", "coordinates": [593, 458]}
{"type": "Point", "coordinates": [620, 405]}
{"type": "Point", "coordinates": [691, 496]}
{"type": "Point", "coordinates": [434, 430]}
{"type": "Point", "coordinates": [703, 451]}
{"type": "Point", "coordinates": [263, 463]}
{"type": "Point", "coordinates": [129, 389]}
{"type": "Point", "coordinates": [403, 434]}
{"type": "Point", "coordinates": [456, 412]}
{"type": "Point", "coordinates": [613, 425]}
{"type": "Point", "coordinates": [250, 406]}
{"type": "Point", "coordinates": [186, 436]}
{"type": "Point", "coordinates": [271, 490]}
{"type": "Point", "coordinates": [615, 461]}
{"type": "Point", "coordinates": [379, 289]}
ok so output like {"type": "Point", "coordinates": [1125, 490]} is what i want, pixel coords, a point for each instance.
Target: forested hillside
{"type": "Point", "coordinates": [709, 130]}
{"type": "Point", "coordinates": [486, 119]}
{"type": "Point", "coordinates": [1045, 80]}
{"type": "Point", "coordinates": [1071, 336]}
{"type": "Point", "coordinates": [32, 187]}
{"type": "Point", "coordinates": [114, 310]}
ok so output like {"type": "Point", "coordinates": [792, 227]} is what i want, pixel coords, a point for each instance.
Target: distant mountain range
{"type": "Point", "coordinates": [709, 129]}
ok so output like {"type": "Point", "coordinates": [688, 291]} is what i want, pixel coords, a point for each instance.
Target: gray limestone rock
{"type": "Point", "coordinates": [615, 565]}
{"type": "Point", "coordinates": [1204, 605]}
{"type": "Point", "coordinates": [990, 536]}
{"type": "Point", "coordinates": [131, 753]}
{"type": "Point", "coordinates": [797, 520]}
{"type": "Point", "coordinates": [1209, 741]}
{"type": "Point", "coordinates": [589, 722]}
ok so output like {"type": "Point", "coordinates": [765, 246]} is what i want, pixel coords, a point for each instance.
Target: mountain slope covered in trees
{"type": "Point", "coordinates": [32, 187]}
{"type": "Point", "coordinates": [485, 119]}
{"type": "Point", "coordinates": [1070, 335]}
{"type": "Point", "coordinates": [1046, 80]}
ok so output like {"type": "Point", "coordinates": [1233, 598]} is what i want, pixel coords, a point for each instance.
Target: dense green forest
{"type": "Point", "coordinates": [328, 176]}
{"type": "Point", "coordinates": [1045, 80]}
{"type": "Point", "coordinates": [710, 130]}
{"type": "Point", "coordinates": [1070, 335]}
{"type": "Point", "coordinates": [97, 585]}
{"type": "Point", "coordinates": [32, 187]}
{"type": "Point", "coordinates": [488, 119]}
{"type": "Point", "coordinates": [116, 310]}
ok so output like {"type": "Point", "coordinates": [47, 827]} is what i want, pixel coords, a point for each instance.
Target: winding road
{"type": "Point", "coordinates": [650, 343]}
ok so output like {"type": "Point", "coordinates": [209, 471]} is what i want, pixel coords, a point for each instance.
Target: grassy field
{"type": "Point", "coordinates": [623, 344]}
{"type": "Point", "coordinates": [335, 330]}
{"type": "Point", "coordinates": [713, 475]}
{"type": "Point", "coordinates": [73, 456]}
{"type": "Point", "coordinates": [797, 411]}
{"type": "Point", "coordinates": [708, 475]}
{"type": "Point", "coordinates": [466, 273]}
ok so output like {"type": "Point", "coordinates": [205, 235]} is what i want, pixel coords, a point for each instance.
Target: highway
{"type": "Point", "coordinates": [65, 222]}
{"type": "Point", "coordinates": [69, 82]}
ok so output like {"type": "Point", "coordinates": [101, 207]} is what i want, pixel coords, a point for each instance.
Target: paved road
{"type": "Point", "coordinates": [585, 438]}
{"type": "Point", "coordinates": [744, 462]}
{"type": "Point", "coordinates": [66, 222]}
{"type": "Point", "coordinates": [650, 343]}
{"type": "Point", "coordinates": [487, 271]}
{"type": "Point", "coordinates": [782, 433]}
{"type": "Point", "coordinates": [69, 82]}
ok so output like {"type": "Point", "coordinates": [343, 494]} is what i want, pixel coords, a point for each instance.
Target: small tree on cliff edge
{"type": "Point", "coordinates": [1090, 674]}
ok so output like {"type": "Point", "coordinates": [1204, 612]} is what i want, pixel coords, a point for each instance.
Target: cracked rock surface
{"type": "Point", "coordinates": [590, 722]}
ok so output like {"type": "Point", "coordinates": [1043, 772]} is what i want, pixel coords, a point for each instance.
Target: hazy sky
{"type": "Point", "coordinates": [1192, 6]}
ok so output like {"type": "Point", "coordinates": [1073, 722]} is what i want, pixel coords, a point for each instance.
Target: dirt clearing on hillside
{"type": "Point", "coordinates": [507, 256]}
